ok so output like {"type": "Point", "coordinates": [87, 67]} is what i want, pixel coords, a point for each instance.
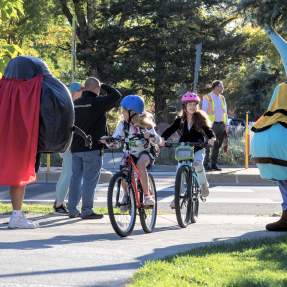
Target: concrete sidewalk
{"type": "Point", "coordinates": [76, 252]}
{"type": "Point", "coordinates": [228, 175]}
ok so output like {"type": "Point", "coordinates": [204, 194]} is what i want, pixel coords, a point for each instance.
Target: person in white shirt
{"type": "Point", "coordinates": [214, 105]}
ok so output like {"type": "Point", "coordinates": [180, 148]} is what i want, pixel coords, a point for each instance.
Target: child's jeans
{"type": "Point", "coordinates": [198, 165]}
{"type": "Point", "coordinates": [283, 189]}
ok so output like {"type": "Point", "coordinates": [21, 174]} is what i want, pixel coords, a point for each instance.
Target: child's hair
{"type": "Point", "coordinates": [199, 119]}
{"type": "Point", "coordinates": [144, 120]}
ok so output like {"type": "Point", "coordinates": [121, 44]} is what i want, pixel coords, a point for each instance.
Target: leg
{"type": "Point", "coordinates": [198, 165]}
{"type": "Point", "coordinates": [63, 183]}
{"type": "Point", "coordinates": [17, 195]}
{"type": "Point", "coordinates": [18, 218]}
{"type": "Point", "coordinates": [142, 163]}
{"type": "Point", "coordinates": [92, 164]}
{"type": "Point", "coordinates": [124, 184]}
{"type": "Point", "coordinates": [219, 132]}
{"type": "Point", "coordinates": [281, 224]}
{"type": "Point", "coordinates": [75, 184]}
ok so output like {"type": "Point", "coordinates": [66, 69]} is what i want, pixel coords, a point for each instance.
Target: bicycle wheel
{"type": "Point", "coordinates": [122, 211]}
{"type": "Point", "coordinates": [182, 197]}
{"type": "Point", "coordinates": [148, 214]}
{"type": "Point", "coordinates": [195, 202]}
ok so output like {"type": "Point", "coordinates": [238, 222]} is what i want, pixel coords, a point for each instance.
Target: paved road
{"type": "Point", "coordinates": [253, 200]}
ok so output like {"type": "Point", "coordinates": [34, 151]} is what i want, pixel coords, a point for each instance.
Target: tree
{"type": "Point", "coordinates": [8, 9]}
{"type": "Point", "coordinates": [151, 44]}
{"type": "Point", "coordinates": [257, 88]}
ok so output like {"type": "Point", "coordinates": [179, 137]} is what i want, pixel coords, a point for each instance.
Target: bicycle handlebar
{"type": "Point", "coordinates": [200, 144]}
{"type": "Point", "coordinates": [138, 136]}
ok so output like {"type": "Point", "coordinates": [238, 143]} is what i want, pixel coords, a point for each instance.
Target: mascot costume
{"type": "Point", "coordinates": [269, 143]}
{"type": "Point", "coordinates": [36, 116]}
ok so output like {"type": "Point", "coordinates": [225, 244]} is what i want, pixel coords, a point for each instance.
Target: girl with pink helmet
{"type": "Point", "coordinates": [193, 124]}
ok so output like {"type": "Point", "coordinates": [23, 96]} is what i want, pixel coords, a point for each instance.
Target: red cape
{"type": "Point", "coordinates": [19, 128]}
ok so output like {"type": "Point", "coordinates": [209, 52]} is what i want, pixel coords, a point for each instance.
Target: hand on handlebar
{"type": "Point", "coordinates": [103, 139]}
{"type": "Point", "coordinates": [211, 141]}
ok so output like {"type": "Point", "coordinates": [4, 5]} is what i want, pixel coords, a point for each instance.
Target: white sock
{"type": "Point", "coordinates": [16, 213]}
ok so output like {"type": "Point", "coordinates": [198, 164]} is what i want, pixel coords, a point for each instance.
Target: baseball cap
{"type": "Point", "coordinates": [76, 87]}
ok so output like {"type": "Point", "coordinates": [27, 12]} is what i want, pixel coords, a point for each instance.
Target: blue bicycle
{"type": "Point", "coordinates": [187, 188]}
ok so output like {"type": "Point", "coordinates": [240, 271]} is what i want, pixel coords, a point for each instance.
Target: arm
{"type": "Point", "coordinates": [156, 139]}
{"type": "Point", "coordinates": [171, 129]}
{"type": "Point", "coordinates": [119, 132]}
{"type": "Point", "coordinates": [209, 132]}
{"type": "Point", "coordinates": [226, 123]}
{"type": "Point", "coordinates": [109, 101]}
{"type": "Point", "coordinates": [205, 105]}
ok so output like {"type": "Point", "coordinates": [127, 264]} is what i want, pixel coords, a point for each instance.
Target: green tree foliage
{"type": "Point", "coordinates": [151, 44]}
{"type": "Point", "coordinates": [8, 10]}
{"type": "Point", "coordinates": [270, 13]}
{"type": "Point", "coordinates": [259, 90]}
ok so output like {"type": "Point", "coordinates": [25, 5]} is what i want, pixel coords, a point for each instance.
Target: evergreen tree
{"type": "Point", "coordinates": [257, 89]}
{"type": "Point", "coordinates": [150, 45]}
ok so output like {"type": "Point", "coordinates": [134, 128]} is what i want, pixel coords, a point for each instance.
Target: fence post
{"type": "Point", "coordinates": [48, 162]}
{"type": "Point", "coordinates": [246, 142]}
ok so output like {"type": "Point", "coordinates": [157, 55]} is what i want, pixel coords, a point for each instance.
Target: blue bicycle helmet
{"type": "Point", "coordinates": [133, 102]}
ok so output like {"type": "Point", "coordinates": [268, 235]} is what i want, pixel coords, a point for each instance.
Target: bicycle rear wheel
{"type": "Point", "coordinates": [148, 214]}
{"type": "Point", "coordinates": [182, 197]}
{"type": "Point", "coordinates": [122, 211]}
{"type": "Point", "coordinates": [195, 202]}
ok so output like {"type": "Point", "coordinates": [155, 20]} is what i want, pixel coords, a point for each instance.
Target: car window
{"type": "Point", "coordinates": [237, 123]}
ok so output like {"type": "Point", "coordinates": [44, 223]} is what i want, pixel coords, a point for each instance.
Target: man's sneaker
{"type": "Point", "coordinates": [172, 204]}
{"type": "Point", "coordinates": [61, 210]}
{"type": "Point", "coordinates": [215, 167]}
{"type": "Point", "coordinates": [22, 222]}
{"type": "Point", "coordinates": [75, 216]}
{"type": "Point", "coordinates": [207, 167]}
{"type": "Point", "coordinates": [92, 216]}
{"type": "Point", "coordinates": [124, 208]}
{"type": "Point", "coordinates": [205, 189]}
{"type": "Point", "coordinates": [148, 201]}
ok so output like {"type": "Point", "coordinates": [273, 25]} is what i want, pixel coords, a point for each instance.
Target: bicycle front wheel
{"type": "Point", "coordinates": [195, 201]}
{"type": "Point", "coordinates": [182, 197]}
{"type": "Point", "coordinates": [121, 206]}
{"type": "Point", "coordinates": [148, 214]}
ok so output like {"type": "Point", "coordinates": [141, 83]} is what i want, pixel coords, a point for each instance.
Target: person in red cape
{"type": "Point", "coordinates": [36, 116]}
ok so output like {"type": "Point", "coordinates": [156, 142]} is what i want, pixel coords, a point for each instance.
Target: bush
{"type": "Point", "coordinates": [55, 159]}
{"type": "Point", "coordinates": [235, 154]}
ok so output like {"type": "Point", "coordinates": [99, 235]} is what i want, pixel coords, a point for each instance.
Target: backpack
{"type": "Point", "coordinates": [154, 150]}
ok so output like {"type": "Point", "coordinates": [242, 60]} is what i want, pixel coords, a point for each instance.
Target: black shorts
{"type": "Point", "coordinates": [136, 159]}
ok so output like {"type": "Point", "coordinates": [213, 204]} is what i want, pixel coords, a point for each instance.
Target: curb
{"type": "Point", "coordinates": [53, 177]}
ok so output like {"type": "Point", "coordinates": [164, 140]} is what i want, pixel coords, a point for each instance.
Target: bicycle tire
{"type": "Point", "coordinates": [194, 203]}
{"type": "Point", "coordinates": [148, 215]}
{"type": "Point", "coordinates": [182, 197]}
{"type": "Point", "coordinates": [123, 221]}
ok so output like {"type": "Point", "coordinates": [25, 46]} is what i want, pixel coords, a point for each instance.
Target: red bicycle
{"type": "Point", "coordinates": [123, 205]}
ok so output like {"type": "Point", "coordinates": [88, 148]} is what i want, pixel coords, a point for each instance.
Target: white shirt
{"type": "Point", "coordinates": [217, 108]}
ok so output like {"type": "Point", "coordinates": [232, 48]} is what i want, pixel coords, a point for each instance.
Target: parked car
{"type": "Point", "coordinates": [235, 124]}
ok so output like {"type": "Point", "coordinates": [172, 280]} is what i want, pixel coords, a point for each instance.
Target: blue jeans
{"type": "Point", "coordinates": [283, 189]}
{"type": "Point", "coordinates": [86, 167]}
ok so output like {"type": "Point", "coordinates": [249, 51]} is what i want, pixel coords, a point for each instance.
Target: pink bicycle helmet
{"type": "Point", "coordinates": [190, 97]}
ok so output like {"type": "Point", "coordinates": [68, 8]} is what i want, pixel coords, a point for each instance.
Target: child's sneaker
{"type": "Point", "coordinates": [148, 201]}
{"type": "Point", "coordinates": [61, 210]}
{"type": "Point", "coordinates": [21, 222]}
{"type": "Point", "coordinates": [172, 204]}
{"type": "Point", "coordinates": [205, 189]}
{"type": "Point", "coordinates": [124, 208]}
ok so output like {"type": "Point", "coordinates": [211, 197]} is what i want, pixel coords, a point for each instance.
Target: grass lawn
{"type": "Point", "coordinates": [6, 208]}
{"type": "Point", "coordinates": [256, 262]}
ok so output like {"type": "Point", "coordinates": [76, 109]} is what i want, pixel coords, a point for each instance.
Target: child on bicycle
{"type": "Point", "coordinates": [194, 124]}
{"type": "Point", "coordinates": [136, 120]}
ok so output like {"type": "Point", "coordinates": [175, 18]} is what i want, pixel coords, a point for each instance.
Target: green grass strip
{"type": "Point", "coordinates": [6, 208]}
{"type": "Point", "coordinates": [255, 262]}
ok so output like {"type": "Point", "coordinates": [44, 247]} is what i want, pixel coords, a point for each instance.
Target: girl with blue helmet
{"type": "Point", "coordinates": [136, 120]}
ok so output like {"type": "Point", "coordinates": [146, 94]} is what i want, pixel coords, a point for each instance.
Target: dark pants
{"type": "Point", "coordinates": [219, 133]}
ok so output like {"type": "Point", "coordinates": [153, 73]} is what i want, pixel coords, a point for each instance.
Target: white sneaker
{"type": "Point", "coordinates": [148, 201]}
{"type": "Point", "coordinates": [22, 222]}
{"type": "Point", "coordinates": [205, 189]}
